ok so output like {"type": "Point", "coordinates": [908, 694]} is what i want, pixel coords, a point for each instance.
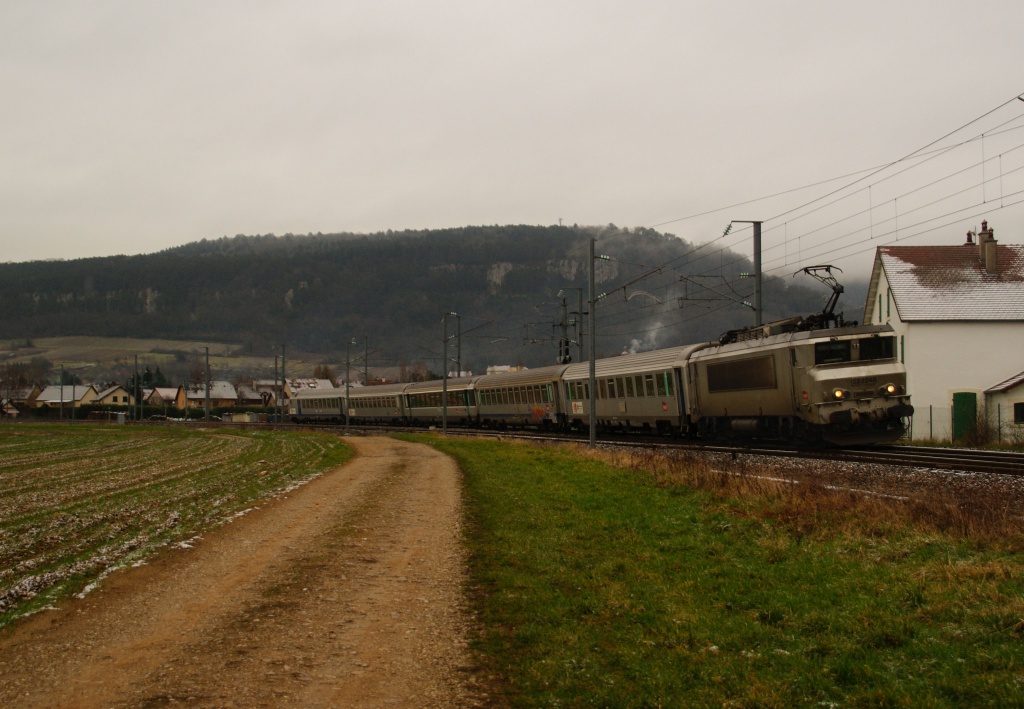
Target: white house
{"type": "Point", "coordinates": [958, 314]}
{"type": "Point", "coordinates": [1005, 408]}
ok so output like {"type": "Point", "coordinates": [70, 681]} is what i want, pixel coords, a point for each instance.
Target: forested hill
{"type": "Point", "coordinates": [316, 292]}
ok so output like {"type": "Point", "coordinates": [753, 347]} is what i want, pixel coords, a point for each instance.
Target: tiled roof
{"type": "Point", "coordinates": [1010, 383]}
{"type": "Point", "coordinates": [950, 282]}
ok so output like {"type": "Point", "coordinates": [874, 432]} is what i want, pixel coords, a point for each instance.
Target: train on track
{"type": "Point", "coordinates": [795, 380]}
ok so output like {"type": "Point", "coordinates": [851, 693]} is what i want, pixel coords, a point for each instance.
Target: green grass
{"type": "Point", "coordinates": [76, 501]}
{"type": "Point", "coordinates": [596, 587]}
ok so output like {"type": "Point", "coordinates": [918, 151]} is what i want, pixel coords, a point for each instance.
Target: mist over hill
{"type": "Point", "coordinates": [317, 292]}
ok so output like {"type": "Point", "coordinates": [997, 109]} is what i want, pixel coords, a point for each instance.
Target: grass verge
{"type": "Point", "coordinates": [78, 501]}
{"type": "Point", "coordinates": [600, 586]}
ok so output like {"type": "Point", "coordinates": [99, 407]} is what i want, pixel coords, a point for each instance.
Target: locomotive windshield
{"type": "Point", "coordinates": [862, 350]}
{"type": "Point", "coordinates": [877, 348]}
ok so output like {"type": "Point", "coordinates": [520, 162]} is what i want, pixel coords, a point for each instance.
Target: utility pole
{"type": "Point", "coordinates": [348, 369]}
{"type": "Point", "coordinates": [284, 383]}
{"type": "Point", "coordinates": [458, 346]}
{"type": "Point", "coordinates": [207, 415]}
{"type": "Point", "coordinates": [593, 349]}
{"type": "Point", "coordinates": [757, 267]}
{"type": "Point", "coordinates": [62, 390]}
{"type": "Point", "coordinates": [366, 361]}
{"type": "Point", "coordinates": [135, 393]}
{"type": "Point", "coordinates": [444, 376]}
{"type": "Point", "coordinates": [277, 395]}
{"type": "Point", "coordinates": [563, 344]}
{"type": "Point", "coordinates": [579, 325]}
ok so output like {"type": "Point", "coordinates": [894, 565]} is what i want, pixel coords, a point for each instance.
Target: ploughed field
{"type": "Point", "coordinates": [79, 501]}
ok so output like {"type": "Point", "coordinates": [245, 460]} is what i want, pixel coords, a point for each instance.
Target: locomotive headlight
{"type": "Point", "coordinates": [889, 389]}
{"type": "Point", "coordinates": [840, 394]}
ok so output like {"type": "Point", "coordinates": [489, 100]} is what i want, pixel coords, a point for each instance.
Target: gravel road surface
{"type": "Point", "coordinates": [345, 592]}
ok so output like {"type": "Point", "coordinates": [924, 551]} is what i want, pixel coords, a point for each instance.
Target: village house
{"type": "Point", "coordinates": [957, 312]}
{"type": "Point", "coordinates": [250, 396]}
{"type": "Point", "coordinates": [167, 398]}
{"type": "Point", "coordinates": [22, 397]}
{"type": "Point", "coordinates": [115, 395]}
{"type": "Point", "coordinates": [72, 396]}
{"type": "Point", "coordinates": [1004, 408]}
{"type": "Point", "coordinates": [222, 395]}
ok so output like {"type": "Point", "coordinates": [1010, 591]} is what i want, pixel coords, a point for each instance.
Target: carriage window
{"type": "Point", "coordinates": [669, 386]}
{"type": "Point", "coordinates": [620, 388]}
{"type": "Point", "coordinates": [877, 348]}
{"type": "Point", "coordinates": [611, 388]}
{"type": "Point", "coordinates": [629, 387]}
{"type": "Point", "coordinates": [659, 379]}
{"type": "Point", "coordinates": [602, 388]}
{"type": "Point", "coordinates": [832, 352]}
{"type": "Point", "coordinates": [649, 384]}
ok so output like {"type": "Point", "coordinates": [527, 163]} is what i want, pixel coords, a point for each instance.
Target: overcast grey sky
{"type": "Point", "coordinates": [129, 127]}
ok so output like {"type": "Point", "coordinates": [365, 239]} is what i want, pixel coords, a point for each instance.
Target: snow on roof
{"type": "Point", "coordinates": [52, 393]}
{"type": "Point", "coordinates": [950, 282]}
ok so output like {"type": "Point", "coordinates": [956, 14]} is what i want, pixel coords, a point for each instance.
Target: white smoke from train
{"type": "Point", "coordinates": [648, 343]}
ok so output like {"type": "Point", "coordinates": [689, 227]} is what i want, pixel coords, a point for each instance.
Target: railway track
{"type": "Point", "coordinates": [966, 460]}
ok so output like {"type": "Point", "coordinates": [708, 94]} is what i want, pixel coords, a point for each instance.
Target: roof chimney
{"type": "Point", "coordinates": [983, 236]}
{"type": "Point", "coordinates": [991, 265]}
{"type": "Point", "coordinates": [970, 238]}
{"type": "Point", "coordinates": [987, 248]}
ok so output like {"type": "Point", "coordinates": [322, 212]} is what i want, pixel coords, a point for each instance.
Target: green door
{"type": "Point", "coordinates": [965, 413]}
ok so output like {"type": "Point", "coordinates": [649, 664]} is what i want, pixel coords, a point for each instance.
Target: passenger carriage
{"type": "Point", "coordinates": [423, 401]}
{"type": "Point", "coordinates": [634, 391]}
{"type": "Point", "coordinates": [323, 405]}
{"type": "Point", "coordinates": [530, 397]}
{"type": "Point", "coordinates": [384, 404]}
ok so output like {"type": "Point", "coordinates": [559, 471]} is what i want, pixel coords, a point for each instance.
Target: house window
{"type": "Point", "coordinates": [1018, 412]}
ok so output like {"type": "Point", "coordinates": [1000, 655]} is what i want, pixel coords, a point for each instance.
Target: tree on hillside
{"type": "Point", "coordinates": [324, 371]}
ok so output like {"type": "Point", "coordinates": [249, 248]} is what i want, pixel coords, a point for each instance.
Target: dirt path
{"type": "Point", "coordinates": [347, 592]}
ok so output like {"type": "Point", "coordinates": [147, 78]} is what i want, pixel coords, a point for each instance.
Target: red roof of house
{"type": "Point", "coordinates": [951, 283]}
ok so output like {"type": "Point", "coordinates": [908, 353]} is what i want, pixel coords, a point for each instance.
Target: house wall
{"type": "Point", "coordinates": [1000, 412]}
{"type": "Point", "coordinates": [947, 357]}
{"type": "Point", "coordinates": [120, 397]}
{"type": "Point", "coordinates": [944, 357]}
